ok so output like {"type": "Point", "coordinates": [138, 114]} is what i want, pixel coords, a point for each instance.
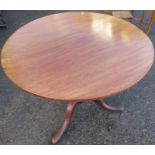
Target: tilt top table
{"type": "Point", "coordinates": [77, 57]}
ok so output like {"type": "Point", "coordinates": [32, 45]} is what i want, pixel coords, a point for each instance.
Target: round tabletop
{"type": "Point", "coordinates": [77, 56]}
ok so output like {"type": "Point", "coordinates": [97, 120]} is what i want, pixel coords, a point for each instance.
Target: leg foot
{"type": "Point", "coordinates": [102, 104]}
{"type": "Point", "coordinates": [69, 111]}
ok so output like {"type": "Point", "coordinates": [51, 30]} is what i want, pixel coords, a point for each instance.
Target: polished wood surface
{"type": "Point", "coordinates": [68, 116]}
{"type": "Point", "coordinates": [77, 56]}
{"type": "Point", "coordinates": [103, 105]}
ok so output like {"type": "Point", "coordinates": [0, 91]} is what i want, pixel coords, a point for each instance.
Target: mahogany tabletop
{"type": "Point", "coordinates": [77, 56]}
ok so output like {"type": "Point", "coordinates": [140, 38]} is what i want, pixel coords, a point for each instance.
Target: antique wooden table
{"type": "Point", "coordinates": [77, 57]}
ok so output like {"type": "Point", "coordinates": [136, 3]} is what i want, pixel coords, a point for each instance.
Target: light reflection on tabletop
{"type": "Point", "coordinates": [102, 28]}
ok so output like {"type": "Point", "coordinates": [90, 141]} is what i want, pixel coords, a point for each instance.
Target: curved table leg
{"type": "Point", "coordinates": [102, 104]}
{"type": "Point", "coordinates": [69, 111]}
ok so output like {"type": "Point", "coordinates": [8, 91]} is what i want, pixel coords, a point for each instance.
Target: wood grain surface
{"type": "Point", "coordinates": [77, 56]}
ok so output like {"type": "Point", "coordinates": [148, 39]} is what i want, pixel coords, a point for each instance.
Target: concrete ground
{"type": "Point", "coordinates": [26, 119]}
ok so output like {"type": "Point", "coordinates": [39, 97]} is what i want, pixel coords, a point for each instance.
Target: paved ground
{"type": "Point", "coordinates": [25, 119]}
